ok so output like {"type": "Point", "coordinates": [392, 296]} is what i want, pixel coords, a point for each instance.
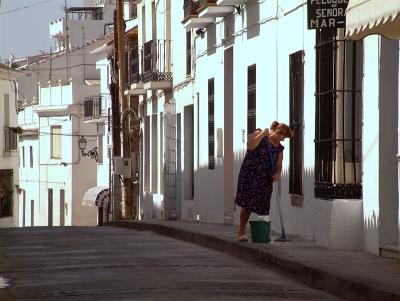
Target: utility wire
{"type": "Point", "coordinates": [24, 7]}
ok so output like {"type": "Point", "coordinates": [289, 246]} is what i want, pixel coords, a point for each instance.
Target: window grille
{"type": "Point", "coordinates": [338, 116]}
{"type": "Point", "coordinates": [251, 99]}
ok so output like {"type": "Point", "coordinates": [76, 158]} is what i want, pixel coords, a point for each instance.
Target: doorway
{"type": "Point", "coordinates": [228, 136]}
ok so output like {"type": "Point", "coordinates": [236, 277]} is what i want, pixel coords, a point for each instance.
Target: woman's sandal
{"type": "Point", "coordinates": [242, 238]}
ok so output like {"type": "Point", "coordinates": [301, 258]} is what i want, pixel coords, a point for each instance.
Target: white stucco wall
{"type": "Point", "coordinates": [266, 34]}
{"type": "Point", "coordinates": [371, 144]}
{"type": "Point", "coordinates": [9, 160]}
{"type": "Point", "coordinates": [29, 176]}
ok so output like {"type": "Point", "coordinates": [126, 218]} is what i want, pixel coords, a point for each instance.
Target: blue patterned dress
{"type": "Point", "coordinates": [254, 187]}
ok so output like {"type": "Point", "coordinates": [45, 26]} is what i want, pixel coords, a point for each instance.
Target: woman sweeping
{"type": "Point", "coordinates": [262, 165]}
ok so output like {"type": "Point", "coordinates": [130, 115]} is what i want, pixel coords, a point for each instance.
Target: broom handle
{"type": "Point", "coordinates": [278, 198]}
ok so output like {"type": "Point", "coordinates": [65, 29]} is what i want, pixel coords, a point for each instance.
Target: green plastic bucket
{"type": "Point", "coordinates": [260, 231]}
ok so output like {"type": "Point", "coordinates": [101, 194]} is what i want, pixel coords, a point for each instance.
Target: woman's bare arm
{"type": "Point", "coordinates": [256, 137]}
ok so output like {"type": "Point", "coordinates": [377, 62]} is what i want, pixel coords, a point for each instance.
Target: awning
{"type": "Point", "coordinates": [366, 17]}
{"type": "Point", "coordinates": [96, 196]}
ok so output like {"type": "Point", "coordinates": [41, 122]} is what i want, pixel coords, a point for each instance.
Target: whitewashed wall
{"type": "Point", "coordinates": [10, 160]}
{"type": "Point", "coordinates": [265, 34]}
{"type": "Point", "coordinates": [29, 176]}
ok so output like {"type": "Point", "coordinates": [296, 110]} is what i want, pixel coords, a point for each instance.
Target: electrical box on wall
{"type": "Point", "coordinates": [122, 167]}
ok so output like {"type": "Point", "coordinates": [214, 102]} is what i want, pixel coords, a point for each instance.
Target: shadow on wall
{"type": "Point", "coordinates": [371, 232]}
{"type": "Point", "coordinates": [253, 19]}
{"type": "Point", "coordinates": [153, 206]}
{"type": "Point", "coordinates": [211, 39]}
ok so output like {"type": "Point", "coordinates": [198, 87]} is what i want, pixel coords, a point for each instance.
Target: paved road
{"type": "Point", "coordinates": [107, 263]}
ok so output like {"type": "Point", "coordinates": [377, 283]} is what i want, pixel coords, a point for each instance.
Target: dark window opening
{"type": "Point", "coordinates": [188, 53]}
{"type": "Point", "coordinates": [251, 99]}
{"type": "Point", "coordinates": [338, 117]}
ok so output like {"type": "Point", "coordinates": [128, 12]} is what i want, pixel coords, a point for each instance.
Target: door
{"type": "Point", "coordinates": [62, 207]}
{"type": "Point", "coordinates": [50, 207]}
{"type": "Point", "coordinates": [23, 208]}
{"type": "Point", "coordinates": [228, 136]}
{"type": "Point", "coordinates": [32, 213]}
{"type": "Point", "coordinates": [179, 164]}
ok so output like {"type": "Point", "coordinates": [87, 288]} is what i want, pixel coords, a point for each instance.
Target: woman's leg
{"type": "Point", "coordinates": [244, 218]}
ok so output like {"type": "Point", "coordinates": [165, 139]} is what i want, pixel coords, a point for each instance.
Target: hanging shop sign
{"type": "Point", "coordinates": [326, 13]}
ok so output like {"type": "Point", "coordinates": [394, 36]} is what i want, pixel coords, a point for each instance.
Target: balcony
{"type": "Point", "coordinates": [157, 65]}
{"type": "Point", "coordinates": [10, 139]}
{"type": "Point", "coordinates": [84, 13]}
{"type": "Point", "coordinates": [135, 59]}
{"type": "Point", "coordinates": [95, 108]}
{"type": "Point", "coordinates": [191, 18]}
{"type": "Point", "coordinates": [210, 9]}
{"type": "Point", "coordinates": [232, 2]}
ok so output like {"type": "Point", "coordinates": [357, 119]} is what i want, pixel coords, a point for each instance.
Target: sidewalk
{"type": "Point", "coordinates": [353, 275]}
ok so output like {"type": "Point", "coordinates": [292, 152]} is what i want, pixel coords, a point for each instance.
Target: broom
{"type": "Point", "coordinates": [283, 237]}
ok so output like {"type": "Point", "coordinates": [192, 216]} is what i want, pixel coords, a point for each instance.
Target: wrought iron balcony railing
{"type": "Point", "coordinates": [190, 8]}
{"type": "Point", "coordinates": [135, 65]}
{"type": "Point", "coordinates": [95, 107]}
{"type": "Point", "coordinates": [10, 139]}
{"type": "Point", "coordinates": [203, 3]}
{"type": "Point", "coordinates": [157, 64]}
{"type": "Point", "coordinates": [85, 13]}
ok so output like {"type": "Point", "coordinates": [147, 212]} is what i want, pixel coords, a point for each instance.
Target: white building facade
{"type": "Point", "coordinates": [58, 89]}
{"type": "Point", "coordinates": [29, 199]}
{"type": "Point", "coordinates": [237, 68]}
{"type": "Point", "coordinates": [9, 177]}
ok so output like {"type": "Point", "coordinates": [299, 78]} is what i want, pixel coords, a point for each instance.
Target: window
{"type": "Point", "coordinates": [338, 116]}
{"type": "Point", "coordinates": [23, 156]}
{"type": "Point", "coordinates": [211, 129]}
{"type": "Point", "coordinates": [55, 138]}
{"type": "Point", "coordinates": [10, 139]}
{"type": "Point", "coordinates": [30, 157]}
{"type": "Point", "coordinates": [296, 107]}
{"type": "Point", "coordinates": [188, 53]}
{"type": "Point", "coordinates": [251, 99]}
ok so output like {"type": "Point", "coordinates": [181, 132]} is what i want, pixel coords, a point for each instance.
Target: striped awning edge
{"type": "Point", "coordinates": [96, 196]}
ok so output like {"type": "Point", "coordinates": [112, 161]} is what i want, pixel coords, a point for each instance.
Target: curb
{"type": "Point", "coordinates": [332, 283]}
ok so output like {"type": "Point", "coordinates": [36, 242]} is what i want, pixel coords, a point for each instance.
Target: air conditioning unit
{"type": "Point", "coordinates": [122, 167]}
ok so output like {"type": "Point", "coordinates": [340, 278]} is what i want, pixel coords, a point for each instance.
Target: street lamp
{"type": "Point", "coordinates": [91, 153]}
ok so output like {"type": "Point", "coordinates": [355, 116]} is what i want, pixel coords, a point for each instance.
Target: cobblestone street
{"type": "Point", "coordinates": [107, 263]}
